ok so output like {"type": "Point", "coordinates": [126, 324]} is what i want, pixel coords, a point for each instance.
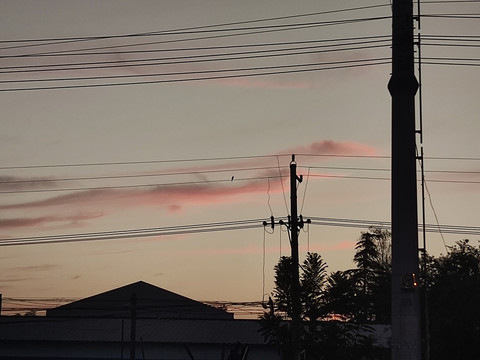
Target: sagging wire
{"type": "Point", "coordinates": [306, 229]}
{"type": "Point", "coordinates": [305, 191]}
{"type": "Point", "coordinates": [436, 217]}
{"type": "Point", "coordinates": [281, 182]}
{"type": "Point", "coordinates": [268, 197]}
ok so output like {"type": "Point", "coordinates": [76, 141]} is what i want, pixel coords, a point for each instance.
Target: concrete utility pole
{"type": "Point", "coordinates": [406, 325]}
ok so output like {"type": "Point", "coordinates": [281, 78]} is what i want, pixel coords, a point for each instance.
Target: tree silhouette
{"type": "Point", "coordinates": [340, 295]}
{"type": "Point", "coordinates": [362, 294]}
{"type": "Point", "coordinates": [454, 303]}
{"type": "Point", "coordinates": [313, 275]}
{"type": "Point", "coordinates": [320, 339]}
{"type": "Point", "coordinates": [312, 284]}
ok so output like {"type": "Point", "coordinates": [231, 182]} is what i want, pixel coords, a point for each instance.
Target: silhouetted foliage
{"type": "Point", "coordinates": [282, 292]}
{"type": "Point", "coordinates": [362, 294]}
{"type": "Point", "coordinates": [312, 284]}
{"type": "Point", "coordinates": [319, 339]}
{"type": "Point", "coordinates": [340, 295]}
{"type": "Point", "coordinates": [454, 303]}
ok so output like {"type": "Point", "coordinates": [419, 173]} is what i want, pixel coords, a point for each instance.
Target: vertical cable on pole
{"type": "Point", "coordinates": [421, 158]}
{"type": "Point", "coordinates": [263, 266]}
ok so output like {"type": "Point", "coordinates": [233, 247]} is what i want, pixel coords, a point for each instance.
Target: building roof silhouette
{"type": "Point", "coordinates": [151, 302]}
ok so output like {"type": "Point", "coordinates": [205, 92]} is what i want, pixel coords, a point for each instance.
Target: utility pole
{"type": "Point", "coordinates": [294, 230]}
{"type": "Point", "coordinates": [406, 325]}
{"type": "Point", "coordinates": [295, 223]}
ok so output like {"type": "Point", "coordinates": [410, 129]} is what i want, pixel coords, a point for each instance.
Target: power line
{"type": "Point", "coordinates": [205, 58]}
{"type": "Point", "coordinates": [100, 188]}
{"type": "Point", "coordinates": [264, 71]}
{"type": "Point", "coordinates": [457, 64]}
{"type": "Point", "coordinates": [244, 32]}
{"type": "Point", "coordinates": [215, 71]}
{"type": "Point", "coordinates": [216, 227]}
{"type": "Point", "coordinates": [209, 182]}
{"type": "Point", "coordinates": [195, 58]}
{"type": "Point", "coordinates": [447, 2]}
{"type": "Point", "coordinates": [14, 181]}
{"type": "Point", "coordinates": [345, 40]}
{"type": "Point", "coordinates": [131, 234]}
{"type": "Point", "coordinates": [204, 78]}
{"type": "Point", "coordinates": [140, 162]}
{"type": "Point", "coordinates": [151, 33]}
{"type": "Point", "coordinates": [223, 158]}
{"type": "Point", "coordinates": [39, 181]}
{"type": "Point", "coordinates": [452, 16]}
{"type": "Point", "coordinates": [385, 169]}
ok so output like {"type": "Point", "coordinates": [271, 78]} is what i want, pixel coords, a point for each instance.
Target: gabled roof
{"type": "Point", "coordinates": [151, 302]}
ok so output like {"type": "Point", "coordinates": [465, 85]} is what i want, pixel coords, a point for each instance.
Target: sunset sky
{"type": "Point", "coordinates": [122, 115]}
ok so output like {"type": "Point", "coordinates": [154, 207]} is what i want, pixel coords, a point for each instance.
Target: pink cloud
{"type": "Point", "coordinates": [159, 195]}
{"type": "Point", "coordinates": [205, 194]}
{"type": "Point", "coordinates": [175, 208]}
{"type": "Point", "coordinates": [330, 147]}
{"type": "Point", "coordinates": [265, 177]}
{"type": "Point", "coordinates": [46, 220]}
{"type": "Point", "coordinates": [268, 164]}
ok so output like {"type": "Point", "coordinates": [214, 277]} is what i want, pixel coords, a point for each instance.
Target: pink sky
{"type": "Point", "coordinates": [236, 125]}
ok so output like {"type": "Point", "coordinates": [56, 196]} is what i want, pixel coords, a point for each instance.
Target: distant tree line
{"type": "Point", "coordinates": [339, 309]}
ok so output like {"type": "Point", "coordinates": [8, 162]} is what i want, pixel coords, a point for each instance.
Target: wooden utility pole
{"type": "Point", "coordinates": [406, 325]}
{"type": "Point", "coordinates": [295, 223]}
{"type": "Point", "coordinates": [294, 230]}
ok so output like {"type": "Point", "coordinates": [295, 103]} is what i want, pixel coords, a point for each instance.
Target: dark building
{"type": "Point", "coordinates": [167, 326]}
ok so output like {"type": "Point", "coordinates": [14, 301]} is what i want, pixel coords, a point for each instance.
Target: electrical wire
{"type": "Point", "coordinates": [305, 190]}
{"type": "Point", "coordinates": [14, 181]}
{"type": "Point", "coordinates": [142, 162]}
{"type": "Point", "coordinates": [189, 59]}
{"type": "Point", "coordinates": [204, 78]}
{"type": "Point", "coordinates": [281, 182]}
{"type": "Point", "coordinates": [219, 226]}
{"type": "Point", "coordinates": [134, 233]}
{"type": "Point", "coordinates": [151, 33]}
{"type": "Point", "coordinates": [186, 183]}
{"type": "Point", "coordinates": [13, 185]}
{"type": "Point", "coordinates": [201, 72]}
{"type": "Point", "coordinates": [334, 42]}
{"type": "Point", "coordinates": [6, 181]}
{"type": "Point", "coordinates": [245, 32]}
{"type": "Point", "coordinates": [436, 216]}
{"type": "Point", "coordinates": [224, 158]}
